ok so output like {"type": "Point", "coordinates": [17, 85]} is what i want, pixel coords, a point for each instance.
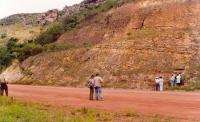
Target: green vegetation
{"type": "Point", "coordinates": [15, 111]}
{"type": "Point", "coordinates": [185, 88]}
{"type": "Point", "coordinates": [86, 115]}
{"type": "Point", "coordinates": [12, 110]}
{"type": "Point", "coordinates": [191, 85]}
{"type": "Point", "coordinates": [70, 22]}
{"type": "Point", "coordinates": [58, 46]}
{"type": "Point", "coordinates": [187, 28]}
{"type": "Point", "coordinates": [128, 113]}
{"type": "Point", "coordinates": [143, 33]}
{"type": "Point", "coordinates": [5, 58]}
{"type": "Point", "coordinates": [21, 51]}
{"type": "Point", "coordinates": [3, 35]}
{"type": "Point", "coordinates": [14, 50]}
{"type": "Point", "coordinates": [19, 31]}
{"type": "Point", "coordinates": [50, 35]}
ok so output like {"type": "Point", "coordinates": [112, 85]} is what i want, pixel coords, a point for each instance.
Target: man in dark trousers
{"type": "Point", "coordinates": [4, 86]}
{"type": "Point", "coordinates": [91, 87]}
{"type": "Point", "coordinates": [157, 84]}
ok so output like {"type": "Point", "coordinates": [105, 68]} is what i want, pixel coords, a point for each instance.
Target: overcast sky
{"type": "Point", "coordinates": [9, 7]}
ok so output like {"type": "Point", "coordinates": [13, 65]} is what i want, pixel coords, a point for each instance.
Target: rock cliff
{"type": "Point", "coordinates": [132, 44]}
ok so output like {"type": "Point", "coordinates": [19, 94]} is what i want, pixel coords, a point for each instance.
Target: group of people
{"type": "Point", "coordinates": [3, 86]}
{"type": "Point", "coordinates": [94, 84]}
{"type": "Point", "coordinates": [159, 83]}
{"type": "Point", "coordinates": [175, 80]}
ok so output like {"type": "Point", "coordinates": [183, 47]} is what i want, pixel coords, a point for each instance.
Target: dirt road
{"type": "Point", "coordinates": [180, 105]}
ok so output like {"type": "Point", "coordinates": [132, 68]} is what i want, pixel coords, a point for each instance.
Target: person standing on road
{"type": "Point", "coordinates": [97, 85]}
{"type": "Point", "coordinates": [4, 86]}
{"type": "Point", "coordinates": [157, 85]}
{"type": "Point", "coordinates": [91, 87]}
{"type": "Point", "coordinates": [161, 83]}
{"type": "Point", "coordinates": [178, 79]}
{"type": "Point", "coordinates": [173, 80]}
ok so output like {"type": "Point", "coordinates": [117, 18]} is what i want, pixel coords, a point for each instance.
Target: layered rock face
{"type": "Point", "coordinates": [133, 44]}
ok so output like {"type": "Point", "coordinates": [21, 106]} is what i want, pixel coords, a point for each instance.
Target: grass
{"type": "Point", "coordinates": [86, 115]}
{"type": "Point", "coordinates": [143, 33]}
{"type": "Point", "coordinates": [187, 28]}
{"type": "Point", "coordinates": [184, 88]}
{"type": "Point", "coordinates": [15, 111]}
{"type": "Point", "coordinates": [128, 113]}
{"type": "Point", "coordinates": [19, 31]}
{"type": "Point", "coordinates": [58, 46]}
{"type": "Point", "coordinates": [12, 110]}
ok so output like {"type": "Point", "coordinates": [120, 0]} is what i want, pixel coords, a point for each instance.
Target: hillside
{"type": "Point", "coordinates": [48, 16]}
{"type": "Point", "coordinates": [19, 31]}
{"type": "Point", "coordinates": [26, 26]}
{"type": "Point", "coordinates": [128, 45]}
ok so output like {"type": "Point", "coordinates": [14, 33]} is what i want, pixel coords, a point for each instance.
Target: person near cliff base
{"type": "Point", "coordinates": [91, 87]}
{"type": "Point", "coordinates": [178, 79]}
{"type": "Point", "coordinates": [161, 83]}
{"type": "Point", "coordinates": [157, 85]}
{"type": "Point", "coordinates": [98, 87]}
{"type": "Point", "coordinates": [173, 80]}
{"type": "Point", "coordinates": [4, 86]}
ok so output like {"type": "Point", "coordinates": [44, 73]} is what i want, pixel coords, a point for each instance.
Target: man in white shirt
{"type": "Point", "coordinates": [178, 79]}
{"type": "Point", "coordinates": [161, 83]}
{"type": "Point", "coordinates": [173, 80]}
{"type": "Point", "coordinates": [97, 85]}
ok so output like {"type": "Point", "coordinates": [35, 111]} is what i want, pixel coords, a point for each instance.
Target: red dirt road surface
{"type": "Point", "coordinates": [179, 105]}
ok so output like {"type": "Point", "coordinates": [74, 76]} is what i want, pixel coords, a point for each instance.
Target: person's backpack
{"type": "Point", "coordinates": [90, 84]}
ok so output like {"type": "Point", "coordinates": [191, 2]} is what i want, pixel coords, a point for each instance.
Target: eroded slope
{"type": "Point", "coordinates": [132, 44]}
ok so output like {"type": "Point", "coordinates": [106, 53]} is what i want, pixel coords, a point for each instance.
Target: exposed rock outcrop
{"type": "Point", "coordinates": [49, 16]}
{"type": "Point", "coordinates": [134, 43]}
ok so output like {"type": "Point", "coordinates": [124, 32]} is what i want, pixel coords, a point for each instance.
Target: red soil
{"type": "Point", "coordinates": [179, 105]}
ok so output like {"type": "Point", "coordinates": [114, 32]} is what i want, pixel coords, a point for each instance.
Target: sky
{"type": "Point", "coordinates": [9, 7]}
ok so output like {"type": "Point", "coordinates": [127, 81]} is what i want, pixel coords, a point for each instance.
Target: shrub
{"type": "Point", "coordinates": [5, 58]}
{"type": "Point", "coordinates": [70, 22]}
{"type": "Point", "coordinates": [107, 5]}
{"type": "Point", "coordinates": [28, 49]}
{"type": "Point", "coordinates": [3, 35]}
{"type": "Point", "coordinates": [58, 46]}
{"type": "Point", "coordinates": [50, 35]}
{"type": "Point", "coordinates": [87, 45]}
{"type": "Point", "coordinates": [14, 50]}
{"type": "Point", "coordinates": [11, 44]}
{"type": "Point", "coordinates": [6, 53]}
